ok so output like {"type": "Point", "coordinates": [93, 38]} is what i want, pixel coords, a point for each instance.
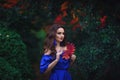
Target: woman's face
{"type": "Point", "coordinates": [60, 35]}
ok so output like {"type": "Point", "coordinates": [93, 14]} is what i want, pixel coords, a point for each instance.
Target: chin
{"type": "Point", "coordinates": [60, 40]}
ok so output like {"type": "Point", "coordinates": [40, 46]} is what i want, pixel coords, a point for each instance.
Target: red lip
{"type": "Point", "coordinates": [61, 38]}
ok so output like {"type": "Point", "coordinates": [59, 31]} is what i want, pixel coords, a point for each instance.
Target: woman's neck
{"type": "Point", "coordinates": [58, 44]}
{"type": "Point", "coordinates": [58, 47]}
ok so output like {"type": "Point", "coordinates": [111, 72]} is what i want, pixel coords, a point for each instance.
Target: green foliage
{"type": "Point", "coordinates": [96, 51]}
{"type": "Point", "coordinates": [14, 63]}
{"type": "Point", "coordinates": [7, 71]}
{"type": "Point", "coordinates": [96, 48]}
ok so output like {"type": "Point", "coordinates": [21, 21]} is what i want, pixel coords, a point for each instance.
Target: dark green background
{"type": "Point", "coordinates": [23, 26]}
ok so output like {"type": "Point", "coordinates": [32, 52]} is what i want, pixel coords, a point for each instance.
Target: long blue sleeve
{"type": "Point", "coordinates": [59, 71]}
{"type": "Point", "coordinates": [45, 61]}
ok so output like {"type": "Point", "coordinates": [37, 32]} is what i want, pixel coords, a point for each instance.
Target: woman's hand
{"type": "Point", "coordinates": [58, 55]}
{"type": "Point", "coordinates": [73, 57]}
{"type": "Point", "coordinates": [53, 63]}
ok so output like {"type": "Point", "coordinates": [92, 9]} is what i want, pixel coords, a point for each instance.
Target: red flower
{"type": "Point", "coordinates": [70, 50]}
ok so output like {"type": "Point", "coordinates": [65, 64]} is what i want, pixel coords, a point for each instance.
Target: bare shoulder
{"type": "Point", "coordinates": [47, 52]}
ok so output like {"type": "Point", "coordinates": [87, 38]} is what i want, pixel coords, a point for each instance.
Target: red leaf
{"type": "Point", "coordinates": [59, 20]}
{"type": "Point", "coordinates": [75, 20]}
{"type": "Point", "coordinates": [10, 3]}
{"type": "Point", "coordinates": [77, 26]}
{"type": "Point", "coordinates": [103, 21]}
{"type": "Point", "coordinates": [64, 6]}
{"type": "Point", "coordinates": [70, 50]}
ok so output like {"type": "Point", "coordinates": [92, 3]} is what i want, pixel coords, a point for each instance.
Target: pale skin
{"type": "Point", "coordinates": [59, 38]}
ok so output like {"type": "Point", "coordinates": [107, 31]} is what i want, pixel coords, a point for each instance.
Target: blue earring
{"type": "Point", "coordinates": [54, 42]}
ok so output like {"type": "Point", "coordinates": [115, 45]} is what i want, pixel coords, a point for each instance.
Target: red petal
{"type": "Point", "coordinates": [70, 50]}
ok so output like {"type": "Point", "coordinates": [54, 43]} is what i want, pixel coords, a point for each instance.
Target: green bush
{"type": "Point", "coordinates": [98, 53]}
{"type": "Point", "coordinates": [14, 63]}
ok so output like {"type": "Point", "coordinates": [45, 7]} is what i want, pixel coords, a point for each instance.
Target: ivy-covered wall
{"type": "Point", "coordinates": [93, 26]}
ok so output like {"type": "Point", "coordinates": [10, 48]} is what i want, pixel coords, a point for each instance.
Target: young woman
{"type": "Point", "coordinates": [58, 55]}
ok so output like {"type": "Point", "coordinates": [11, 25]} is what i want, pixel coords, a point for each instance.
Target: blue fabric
{"type": "Point", "coordinates": [59, 72]}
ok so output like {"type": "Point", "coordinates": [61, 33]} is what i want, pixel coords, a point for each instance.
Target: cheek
{"type": "Point", "coordinates": [63, 36]}
{"type": "Point", "coordinates": [57, 36]}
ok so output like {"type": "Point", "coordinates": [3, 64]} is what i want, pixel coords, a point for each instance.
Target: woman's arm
{"type": "Point", "coordinates": [52, 64]}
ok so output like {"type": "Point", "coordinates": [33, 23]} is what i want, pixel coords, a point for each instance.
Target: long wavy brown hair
{"type": "Point", "coordinates": [50, 37]}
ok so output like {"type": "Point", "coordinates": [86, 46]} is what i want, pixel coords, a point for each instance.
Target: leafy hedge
{"type": "Point", "coordinates": [97, 50]}
{"type": "Point", "coordinates": [14, 64]}
{"type": "Point", "coordinates": [98, 54]}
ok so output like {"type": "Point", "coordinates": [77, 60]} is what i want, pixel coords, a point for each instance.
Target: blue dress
{"type": "Point", "coordinates": [59, 72]}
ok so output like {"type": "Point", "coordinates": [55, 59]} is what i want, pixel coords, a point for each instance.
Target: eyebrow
{"type": "Point", "coordinates": [60, 32]}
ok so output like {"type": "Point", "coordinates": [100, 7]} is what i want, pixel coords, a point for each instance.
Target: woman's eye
{"type": "Point", "coordinates": [59, 33]}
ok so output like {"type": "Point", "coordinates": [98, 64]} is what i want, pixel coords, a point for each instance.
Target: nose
{"type": "Point", "coordinates": [62, 35]}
